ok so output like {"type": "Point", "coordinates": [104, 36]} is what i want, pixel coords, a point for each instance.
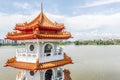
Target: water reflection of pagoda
{"type": "Point", "coordinates": [40, 58]}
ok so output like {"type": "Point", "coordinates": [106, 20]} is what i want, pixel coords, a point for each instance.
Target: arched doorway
{"type": "Point", "coordinates": [48, 49]}
{"type": "Point", "coordinates": [48, 74]}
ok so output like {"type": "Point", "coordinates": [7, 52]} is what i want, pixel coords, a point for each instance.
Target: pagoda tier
{"type": "Point", "coordinates": [38, 66]}
{"type": "Point", "coordinates": [43, 23]}
{"type": "Point", "coordinates": [40, 28]}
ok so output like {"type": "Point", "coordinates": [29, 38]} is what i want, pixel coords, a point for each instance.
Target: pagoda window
{"type": "Point", "coordinates": [48, 74]}
{"type": "Point", "coordinates": [59, 73]}
{"type": "Point", "coordinates": [31, 47]}
{"type": "Point", "coordinates": [32, 73]}
{"type": "Point", "coordinates": [48, 49]}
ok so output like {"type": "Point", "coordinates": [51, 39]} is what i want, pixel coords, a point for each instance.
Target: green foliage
{"type": "Point", "coordinates": [97, 42]}
{"type": "Point", "coordinates": [77, 43]}
{"type": "Point", "coordinates": [10, 44]}
{"type": "Point", "coordinates": [65, 43]}
{"type": "Point", "coordinates": [0, 44]}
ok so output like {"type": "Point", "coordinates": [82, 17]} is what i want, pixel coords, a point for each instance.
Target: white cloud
{"type": "Point", "coordinates": [93, 21]}
{"type": "Point", "coordinates": [95, 35]}
{"type": "Point", "coordinates": [83, 26]}
{"type": "Point", "coordinates": [22, 5]}
{"type": "Point", "coordinates": [98, 3]}
{"type": "Point", "coordinates": [7, 22]}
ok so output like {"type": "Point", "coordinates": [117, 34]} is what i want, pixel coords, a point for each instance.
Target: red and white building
{"type": "Point", "coordinates": [40, 58]}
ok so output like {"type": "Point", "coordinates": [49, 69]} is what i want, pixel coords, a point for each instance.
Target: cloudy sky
{"type": "Point", "coordinates": [85, 19]}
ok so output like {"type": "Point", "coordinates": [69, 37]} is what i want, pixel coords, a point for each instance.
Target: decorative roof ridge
{"type": "Point", "coordinates": [38, 20]}
{"type": "Point", "coordinates": [41, 7]}
{"type": "Point", "coordinates": [41, 20]}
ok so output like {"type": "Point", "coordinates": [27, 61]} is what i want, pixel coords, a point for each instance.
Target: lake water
{"type": "Point", "coordinates": [90, 62]}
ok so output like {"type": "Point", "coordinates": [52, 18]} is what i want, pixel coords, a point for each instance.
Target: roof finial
{"type": "Point", "coordinates": [41, 7]}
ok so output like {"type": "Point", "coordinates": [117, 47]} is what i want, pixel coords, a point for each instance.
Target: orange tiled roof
{"type": "Point", "coordinates": [40, 28]}
{"type": "Point", "coordinates": [38, 66]}
{"type": "Point", "coordinates": [42, 22]}
{"type": "Point", "coordinates": [18, 36]}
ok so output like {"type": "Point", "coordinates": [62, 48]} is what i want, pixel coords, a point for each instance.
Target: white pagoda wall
{"type": "Point", "coordinates": [40, 75]}
{"type": "Point", "coordinates": [23, 54]}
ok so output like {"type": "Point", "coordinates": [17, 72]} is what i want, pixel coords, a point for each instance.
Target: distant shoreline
{"type": "Point", "coordinates": [77, 42]}
{"type": "Point", "coordinates": [93, 42]}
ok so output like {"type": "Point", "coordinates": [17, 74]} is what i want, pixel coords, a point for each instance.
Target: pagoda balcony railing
{"type": "Point", "coordinates": [60, 78]}
{"type": "Point", "coordinates": [22, 50]}
{"type": "Point", "coordinates": [22, 54]}
{"type": "Point", "coordinates": [59, 51]}
{"type": "Point", "coordinates": [26, 57]}
{"type": "Point", "coordinates": [58, 54]}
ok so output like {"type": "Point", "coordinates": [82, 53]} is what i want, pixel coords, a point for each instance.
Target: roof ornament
{"type": "Point", "coordinates": [41, 7]}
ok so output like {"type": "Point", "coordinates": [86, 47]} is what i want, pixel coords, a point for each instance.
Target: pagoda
{"type": "Point", "coordinates": [41, 57]}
